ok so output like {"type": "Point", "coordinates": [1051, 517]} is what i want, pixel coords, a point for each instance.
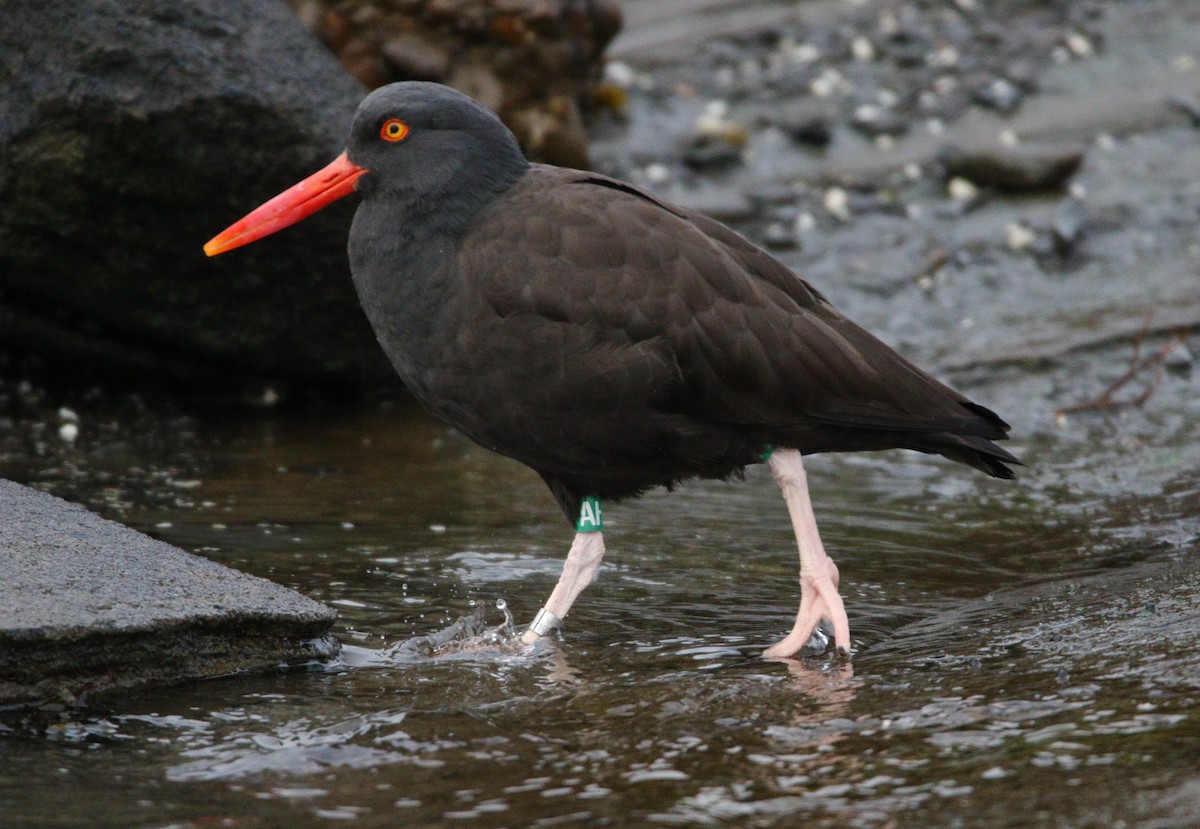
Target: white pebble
{"type": "Point", "coordinates": [806, 53]}
{"type": "Point", "coordinates": [1019, 237]}
{"type": "Point", "coordinates": [1009, 138]}
{"type": "Point", "coordinates": [805, 222]}
{"type": "Point", "coordinates": [713, 120]}
{"type": "Point", "coordinates": [862, 49]}
{"type": "Point", "coordinates": [1077, 190]}
{"type": "Point", "coordinates": [912, 171]}
{"type": "Point", "coordinates": [829, 81]}
{"type": "Point", "coordinates": [867, 113]}
{"type": "Point", "coordinates": [68, 432]}
{"type": "Point", "coordinates": [657, 173]}
{"type": "Point", "coordinates": [838, 203]}
{"type": "Point", "coordinates": [68, 415]}
{"type": "Point", "coordinates": [1184, 63]}
{"type": "Point", "coordinates": [945, 56]}
{"type": "Point", "coordinates": [935, 126]}
{"type": "Point", "coordinates": [962, 190]}
{"type": "Point", "coordinates": [619, 73]}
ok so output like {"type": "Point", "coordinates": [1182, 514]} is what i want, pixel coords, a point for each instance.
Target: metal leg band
{"type": "Point", "coordinates": [544, 622]}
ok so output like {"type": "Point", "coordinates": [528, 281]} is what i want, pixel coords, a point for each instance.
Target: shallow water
{"type": "Point", "coordinates": [1009, 657]}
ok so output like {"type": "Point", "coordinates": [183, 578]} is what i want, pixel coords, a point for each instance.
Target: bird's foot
{"type": "Point", "coordinates": [819, 599]}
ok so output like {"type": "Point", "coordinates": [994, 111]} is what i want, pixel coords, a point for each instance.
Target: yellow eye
{"type": "Point", "coordinates": [393, 129]}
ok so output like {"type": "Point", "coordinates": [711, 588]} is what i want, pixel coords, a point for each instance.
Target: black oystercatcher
{"type": "Point", "coordinates": [608, 339]}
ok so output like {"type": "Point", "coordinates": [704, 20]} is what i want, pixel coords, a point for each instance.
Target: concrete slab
{"type": "Point", "coordinates": [87, 604]}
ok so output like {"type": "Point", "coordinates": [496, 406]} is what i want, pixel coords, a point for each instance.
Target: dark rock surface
{"type": "Point", "coordinates": [131, 131]}
{"type": "Point", "coordinates": [87, 604]}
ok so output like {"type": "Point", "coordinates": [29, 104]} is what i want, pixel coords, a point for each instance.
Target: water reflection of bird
{"type": "Point", "coordinates": [608, 339]}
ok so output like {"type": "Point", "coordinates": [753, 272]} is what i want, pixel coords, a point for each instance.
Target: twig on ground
{"type": "Point", "coordinates": [1137, 365]}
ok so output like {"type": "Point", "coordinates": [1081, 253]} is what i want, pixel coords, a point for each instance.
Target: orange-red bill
{"type": "Point", "coordinates": [297, 202]}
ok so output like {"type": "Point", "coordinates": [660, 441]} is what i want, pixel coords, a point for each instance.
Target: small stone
{"type": "Point", "coordinates": [1024, 167]}
{"type": "Point", "coordinates": [998, 94]}
{"type": "Point", "coordinates": [862, 49]}
{"type": "Point", "coordinates": [1079, 45]}
{"type": "Point", "coordinates": [657, 173]}
{"type": "Point", "coordinates": [1018, 236]}
{"type": "Point", "coordinates": [962, 190]}
{"type": "Point", "coordinates": [837, 202]}
{"type": "Point", "coordinates": [779, 236]}
{"type": "Point", "coordinates": [807, 122]}
{"type": "Point", "coordinates": [1189, 107]}
{"type": "Point", "coordinates": [68, 432]}
{"type": "Point", "coordinates": [706, 152]}
{"type": "Point", "coordinates": [805, 53]}
{"type": "Point", "coordinates": [873, 120]}
{"type": "Point", "coordinates": [1179, 358]}
{"type": "Point", "coordinates": [1068, 225]}
{"type": "Point", "coordinates": [619, 73]}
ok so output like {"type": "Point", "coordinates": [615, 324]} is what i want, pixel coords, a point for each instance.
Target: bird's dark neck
{"type": "Point", "coordinates": [402, 245]}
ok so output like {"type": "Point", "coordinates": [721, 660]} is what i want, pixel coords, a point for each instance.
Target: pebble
{"type": "Point", "coordinates": [998, 94]}
{"type": "Point", "coordinates": [707, 152]}
{"type": "Point", "coordinates": [962, 190]}
{"type": "Point", "coordinates": [1179, 358]}
{"type": "Point", "coordinates": [1018, 236]}
{"type": "Point", "coordinates": [1068, 226]}
{"type": "Point", "coordinates": [807, 126]}
{"type": "Point", "coordinates": [837, 203]}
{"type": "Point", "coordinates": [874, 121]}
{"type": "Point", "coordinates": [862, 49]}
{"type": "Point", "coordinates": [1023, 167]}
{"type": "Point", "coordinates": [1079, 45]}
{"type": "Point", "coordinates": [780, 237]}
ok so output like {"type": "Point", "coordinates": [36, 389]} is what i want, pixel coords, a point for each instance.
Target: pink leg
{"type": "Point", "coordinates": [578, 571]}
{"type": "Point", "coordinates": [819, 598]}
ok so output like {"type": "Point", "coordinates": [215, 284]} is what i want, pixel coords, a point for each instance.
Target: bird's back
{"type": "Point", "coordinates": [613, 342]}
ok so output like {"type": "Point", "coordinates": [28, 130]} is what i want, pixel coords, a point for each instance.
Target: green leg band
{"type": "Point", "coordinates": [591, 519]}
{"type": "Point", "coordinates": [766, 454]}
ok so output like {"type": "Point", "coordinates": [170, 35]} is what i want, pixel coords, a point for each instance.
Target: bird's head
{"type": "Point", "coordinates": [411, 141]}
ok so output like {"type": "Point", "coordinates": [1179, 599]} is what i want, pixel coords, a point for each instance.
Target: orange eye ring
{"type": "Point", "coordinates": [393, 129]}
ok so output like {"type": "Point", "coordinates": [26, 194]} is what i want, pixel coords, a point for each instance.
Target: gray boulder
{"type": "Point", "coordinates": [131, 131]}
{"type": "Point", "coordinates": [87, 604]}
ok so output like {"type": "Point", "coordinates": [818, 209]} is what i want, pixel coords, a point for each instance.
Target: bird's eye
{"type": "Point", "coordinates": [393, 129]}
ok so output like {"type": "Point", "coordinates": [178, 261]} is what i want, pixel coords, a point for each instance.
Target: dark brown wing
{"type": "Point", "coordinates": [625, 301]}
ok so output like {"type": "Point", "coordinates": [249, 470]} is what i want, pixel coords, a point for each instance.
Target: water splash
{"type": "Point", "coordinates": [466, 635]}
